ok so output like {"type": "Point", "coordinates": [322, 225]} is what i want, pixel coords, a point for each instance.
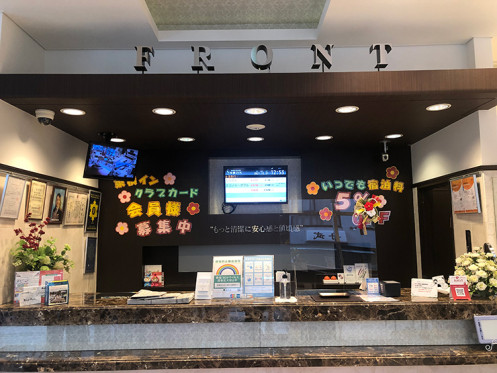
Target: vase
{"type": "Point", "coordinates": [481, 295]}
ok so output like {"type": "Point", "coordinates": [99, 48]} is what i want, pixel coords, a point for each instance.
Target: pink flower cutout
{"type": "Point", "coordinates": [124, 196]}
{"type": "Point", "coordinates": [169, 179]}
{"type": "Point", "coordinates": [381, 200]}
{"type": "Point", "coordinates": [325, 214]}
{"type": "Point", "coordinates": [122, 228]}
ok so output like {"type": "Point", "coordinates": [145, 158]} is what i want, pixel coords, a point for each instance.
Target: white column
{"type": "Point", "coordinates": [480, 53]}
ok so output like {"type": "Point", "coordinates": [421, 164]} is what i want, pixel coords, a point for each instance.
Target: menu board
{"type": "Point", "coordinates": [464, 192]}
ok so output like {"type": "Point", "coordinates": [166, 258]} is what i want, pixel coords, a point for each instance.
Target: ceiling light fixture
{"type": "Point", "coordinates": [323, 137]}
{"type": "Point", "coordinates": [255, 110]}
{"type": "Point", "coordinates": [438, 107]}
{"type": "Point", "coordinates": [256, 127]}
{"type": "Point", "coordinates": [72, 111]}
{"type": "Point", "coordinates": [394, 136]}
{"type": "Point", "coordinates": [163, 111]}
{"type": "Point", "coordinates": [255, 139]}
{"type": "Point", "coordinates": [117, 139]}
{"type": "Point", "coordinates": [186, 139]}
{"type": "Point", "coordinates": [346, 109]}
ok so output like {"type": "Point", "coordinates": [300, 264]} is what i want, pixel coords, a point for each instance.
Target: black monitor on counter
{"type": "Point", "coordinates": [106, 161]}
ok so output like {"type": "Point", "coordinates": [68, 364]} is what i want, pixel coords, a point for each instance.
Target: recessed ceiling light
{"type": "Point", "coordinates": [255, 138]}
{"type": "Point", "coordinates": [255, 110]}
{"type": "Point", "coordinates": [186, 139]}
{"type": "Point", "coordinates": [256, 127]}
{"type": "Point", "coordinates": [324, 137]}
{"type": "Point", "coordinates": [438, 107]}
{"type": "Point", "coordinates": [394, 136]}
{"type": "Point", "coordinates": [346, 109]}
{"type": "Point", "coordinates": [164, 111]}
{"type": "Point", "coordinates": [117, 139]}
{"type": "Point", "coordinates": [72, 111]}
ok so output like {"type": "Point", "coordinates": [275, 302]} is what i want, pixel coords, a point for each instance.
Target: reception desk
{"type": "Point", "coordinates": [104, 333]}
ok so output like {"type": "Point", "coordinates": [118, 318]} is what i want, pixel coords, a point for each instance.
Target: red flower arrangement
{"type": "Point", "coordinates": [367, 212]}
{"type": "Point", "coordinates": [29, 254]}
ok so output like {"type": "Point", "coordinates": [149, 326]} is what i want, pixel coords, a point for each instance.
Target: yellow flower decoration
{"type": "Point", "coordinates": [312, 188]}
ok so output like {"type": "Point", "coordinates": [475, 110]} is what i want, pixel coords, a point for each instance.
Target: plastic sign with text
{"type": "Point", "coordinates": [459, 288]}
{"type": "Point", "coordinates": [423, 288]}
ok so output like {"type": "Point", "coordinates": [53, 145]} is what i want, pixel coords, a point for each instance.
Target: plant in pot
{"type": "Point", "coordinates": [480, 268]}
{"type": "Point", "coordinates": [30, 254]}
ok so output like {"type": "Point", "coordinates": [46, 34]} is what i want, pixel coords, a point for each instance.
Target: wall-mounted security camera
{"type": "Point", "coordinates": [384, 155]}
{"type": "Point", "coordinates": [44, 116]}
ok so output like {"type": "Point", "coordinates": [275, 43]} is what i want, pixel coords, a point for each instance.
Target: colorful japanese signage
{"type": "Point", "coordinates": [147, 197]}
{"type": "Point", "coordinates": [349, 190]}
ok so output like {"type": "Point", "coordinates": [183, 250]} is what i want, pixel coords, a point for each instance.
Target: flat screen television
{"type": "Point", "coordinates": [255, 184]}
{"type": "Point", "coordinates": [105, 161]}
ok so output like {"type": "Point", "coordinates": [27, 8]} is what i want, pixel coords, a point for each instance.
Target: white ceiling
{"type": "Point", "coordinates": [122, 24]}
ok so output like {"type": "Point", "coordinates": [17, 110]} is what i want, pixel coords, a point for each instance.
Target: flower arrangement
{"type": "Point", "coordinates": [29, 254]}
{"type": "Point", "coordinates": [480, 269]}
{"type": "Point", "coordinates": [366, 210]}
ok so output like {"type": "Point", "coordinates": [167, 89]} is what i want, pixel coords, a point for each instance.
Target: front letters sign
{"type": "Point", "coordinates": [261, 57]}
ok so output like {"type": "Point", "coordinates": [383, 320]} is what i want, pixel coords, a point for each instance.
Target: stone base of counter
{"type": "Point", "coordinates": [246, 357]}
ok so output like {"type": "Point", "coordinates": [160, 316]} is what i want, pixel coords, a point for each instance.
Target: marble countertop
{"type": "Point", "coordinates": [246, 358]}
{"type": "Point", "coordinates": [87, 309]}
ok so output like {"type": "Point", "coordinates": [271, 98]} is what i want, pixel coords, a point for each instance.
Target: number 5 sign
{"type": "Point", "coordinates": [342, 201]}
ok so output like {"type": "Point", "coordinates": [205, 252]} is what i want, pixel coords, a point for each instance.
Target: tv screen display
{"type": "Point", "coordinates": [256, 184]}
{"type": "Point", "coordinates": [109, 161]}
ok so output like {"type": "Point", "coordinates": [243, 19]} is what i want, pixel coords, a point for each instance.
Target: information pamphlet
{"type": "Point", "coordinates": [203, 286]}
{"type": "Point", "coordinates": [56, 292]}
{"type": "Point", "coordinates": [373, 286]}
{"type": "Point", "coordinates": [227, 276]}
{"type": "Point", "coordinates": [349, 274]}
{"type": "Point", "coordinates": [145, 296]}
{"type": "Point", "coordinates": [29, 280]}
{"type": "Point", "coordinates": [259, 275]}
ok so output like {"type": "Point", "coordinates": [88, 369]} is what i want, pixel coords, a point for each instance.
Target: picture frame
{"type": "Point", "coordinates": [57, 204]}
{"type": "Point", "coordinates": [90, 254]}
{"type": "Point", "coordinates": [35, 201]}
{"type": "Point", "coordinates": [93, 211]}
{"type": "Point", "coordinates": [12, 195]}
{"type": "Point", "coordinates": [76, 205]}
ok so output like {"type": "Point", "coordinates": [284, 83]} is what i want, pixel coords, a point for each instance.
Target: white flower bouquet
{"type": "Point", "coordinates": [480, 268]}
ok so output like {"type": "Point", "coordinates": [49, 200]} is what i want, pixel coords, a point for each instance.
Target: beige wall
{"type": "Point", "coordinates": [482, 226]}
{"type": "Point", "coordinates": [27, 145]}
{"type": "Point", "coordinates": [467, 143]}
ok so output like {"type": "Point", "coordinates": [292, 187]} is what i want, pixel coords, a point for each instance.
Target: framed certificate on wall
{"type": "Point", "coordinates": [12, 197]}
{"type": "Point", "coordinates": [75, 208]}
{"type": "Point", "coordinates": [36, 199]}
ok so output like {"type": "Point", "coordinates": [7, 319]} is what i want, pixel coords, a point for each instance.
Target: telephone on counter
{"type": "Point", "coordinates": [488, 248]}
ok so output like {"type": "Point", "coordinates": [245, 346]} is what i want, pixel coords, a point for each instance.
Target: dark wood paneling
{"type": "Point", "coordinates": [210, 106]}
